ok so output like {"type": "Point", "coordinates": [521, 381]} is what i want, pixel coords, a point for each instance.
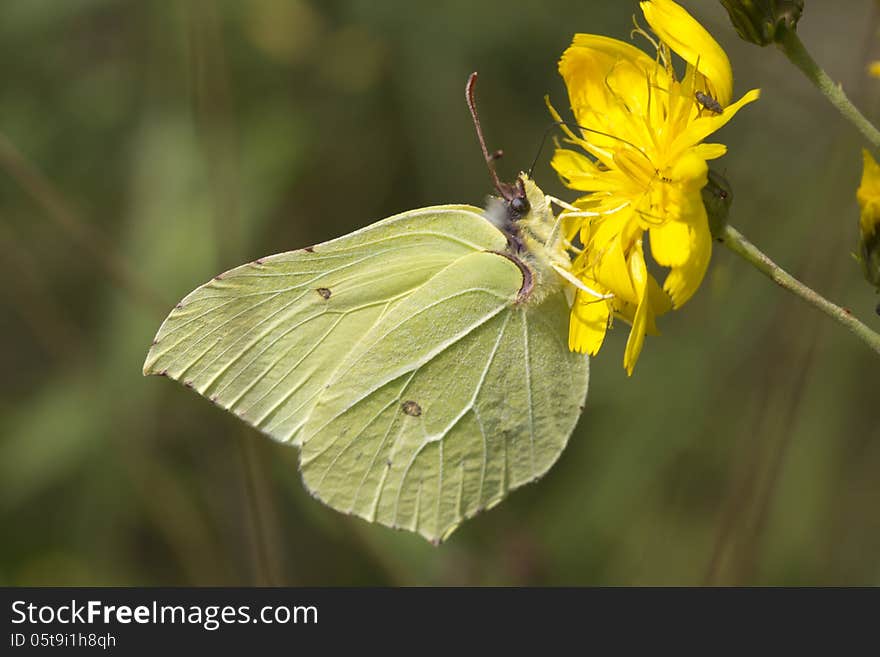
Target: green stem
{"type": "Point", "coordinates": [793, 47]}
{"type": "Point", "coordinates": [736, 242]}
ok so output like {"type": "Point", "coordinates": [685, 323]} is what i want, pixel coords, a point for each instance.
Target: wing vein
{"type": "Point", "coordinates": [383, 442]}
{"type": "Point", "coordinates": [439, 437]}
{"type": "Point", "coordinates": [528, 372]}
{"type": "Point", "coordinates": [485, 456]}
{"type": "Point", "coordinates": [443, 346]}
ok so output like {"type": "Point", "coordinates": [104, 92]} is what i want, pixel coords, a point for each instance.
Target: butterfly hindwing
{"type": "Point", "coordinates": [456, 396]}
{"type": "Point", "coordinates": [263, 339]}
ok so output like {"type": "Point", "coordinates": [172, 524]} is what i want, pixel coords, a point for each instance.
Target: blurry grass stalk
{"type": "Point", "coordinates": [797, 53]}
{"type": "Point", "coordinates": [31, 296]}
{"type": "Point", "coordinates": [736, 242]}
{"type": "Point", "coordinates": [218, 131]}
{"type": "Point", "coordinates": [85, 235]}
{"type": "Point", "coordinates": [264, 557]}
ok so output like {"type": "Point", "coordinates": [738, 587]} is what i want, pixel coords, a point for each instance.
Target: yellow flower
{"type": "Point", "coordinates": [641, 164]}
{"type": "Point", "coordinates": [874, 69]}
{"type": "Point", "coordinates": [868, 196]}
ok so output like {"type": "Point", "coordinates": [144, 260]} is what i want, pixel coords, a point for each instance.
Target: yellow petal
{"type": "Point", "coordinates": [683, 281]}
{"type": "Point", "coordinates": [615, 49]}
{"type": "Point", "coordinates": [710, 151]}
{"type": "Point", "coordinates": [578, 171]}
{"type": "Point", "coordinates": [660, 301]}
{"type": "Point", "coordinates": [567, 161]}
{"type": "Point", "coordinates": [641, 319]}
{"type": "Point", "coordinates": [606, 79]}
{"type": "Point", "coordinates": [690, 171]}
{"type": "Point", "coordinates": [671, 243]}
{"type": "Point", "coordinates": [613, 272]}
{"type": "Point", "coordinates": [638, 270]}
{"type": "Point", "coordinates": [588, 324]}
{"type": "Point", "coordinates": [690, 40]}
{"type": "Point", "coordinates": [636, 339]}
{"type": "Point", "coordinates": [704, 126]}
{"type": "Point", "coordinates": [874, 69]}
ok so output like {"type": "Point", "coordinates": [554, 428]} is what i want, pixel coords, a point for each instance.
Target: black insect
{"type": "Point", "coordinates": [709, 103]}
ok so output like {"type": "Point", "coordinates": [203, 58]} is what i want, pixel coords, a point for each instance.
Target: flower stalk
{"type": "Point", "coordinates": [793, 47]}
{"type": "Point", "coordinates": [736, 242]}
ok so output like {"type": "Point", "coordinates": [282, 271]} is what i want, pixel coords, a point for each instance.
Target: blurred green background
{"type": "Point", "coordinates": [146, 146]}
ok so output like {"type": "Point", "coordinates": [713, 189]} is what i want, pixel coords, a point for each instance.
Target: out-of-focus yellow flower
{"type": "Point", "coordinates": [641, 164]}
{"type": "Point", "coordinates": [874, 69]}
{"type": "Point", "coordinates": [868, 196]}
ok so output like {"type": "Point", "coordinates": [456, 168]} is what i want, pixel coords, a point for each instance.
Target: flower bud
{"type": "Point", "coordinates": [762, 22]}
{"type": "Point", "coordinates": [717, 197]}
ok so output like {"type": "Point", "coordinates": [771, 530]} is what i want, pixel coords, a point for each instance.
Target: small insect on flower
{"type": "Point", "coordinates": [708, 102]}
{"type": "Point", "coordinates": [419, 363]}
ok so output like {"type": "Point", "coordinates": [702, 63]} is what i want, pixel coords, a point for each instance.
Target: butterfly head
{"type": "Point", "coordinates": [513, 199]}
{"type": "Point", "coordinates": [517, 202]}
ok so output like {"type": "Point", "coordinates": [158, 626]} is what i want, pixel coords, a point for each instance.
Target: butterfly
{"type": "Point", "coordinates": [420, 364]}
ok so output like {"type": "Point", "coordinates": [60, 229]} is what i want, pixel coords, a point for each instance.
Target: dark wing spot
{"type": "Point", "coordinates": [324, 292]}
{"type": "Point", "coordinates": [411, 408]}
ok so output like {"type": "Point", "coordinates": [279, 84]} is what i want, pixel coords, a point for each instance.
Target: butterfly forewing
{"type": "Point", "coordinates": [262, 339]}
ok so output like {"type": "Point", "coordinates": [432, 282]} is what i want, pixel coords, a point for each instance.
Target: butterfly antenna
{"type": "Point", "coordinates": [571, 124]}
{"type": "Point", "coordinates": [541, 147]}
{"type": "Point", "coordinates": [489, 157]}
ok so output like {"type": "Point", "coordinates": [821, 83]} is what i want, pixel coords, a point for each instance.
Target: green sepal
{"type": "Point", "coordinates": [763, 22]}
{"type": "Point", "coordinates": [717, 197]}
